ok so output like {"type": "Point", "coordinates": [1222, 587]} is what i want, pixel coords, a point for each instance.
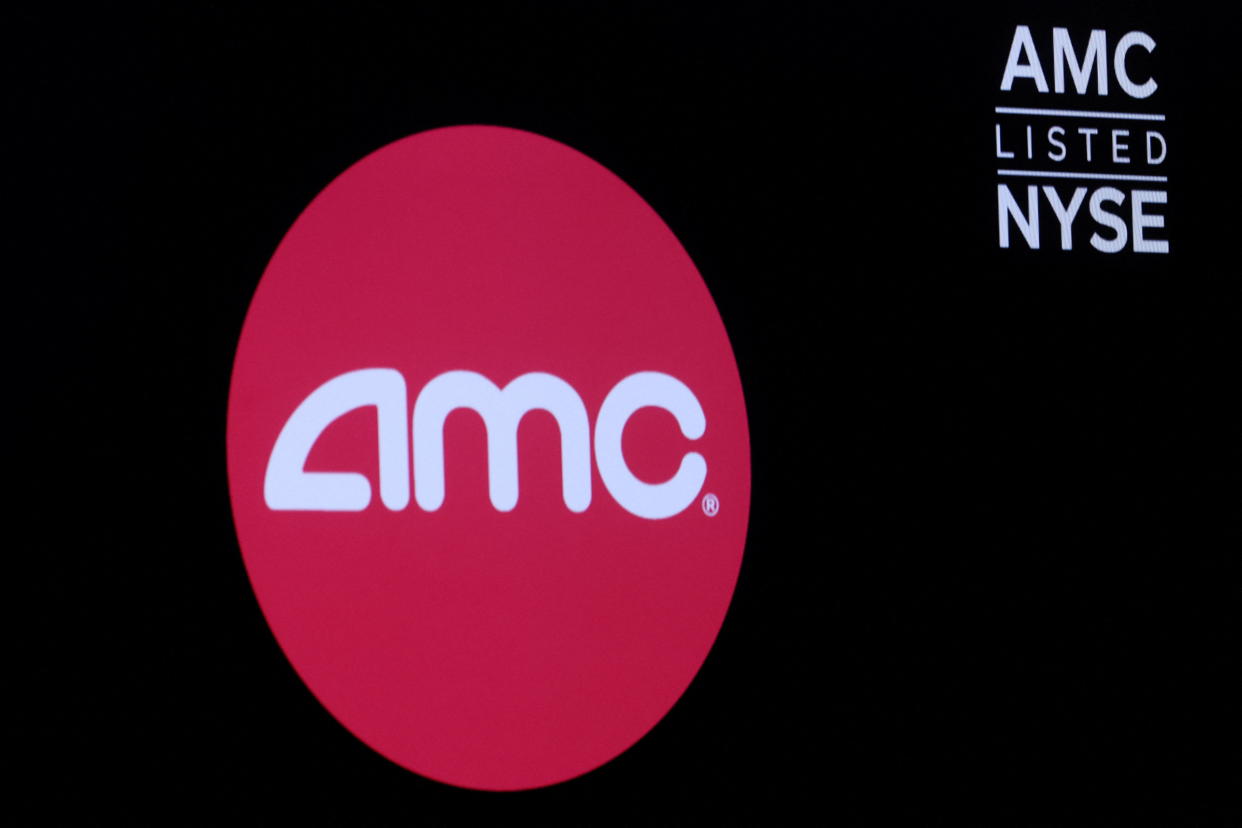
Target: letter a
{"type": "Point", "coordinates": [1031, 69]}
{"type": "Point", "coordinates": [288, 486]}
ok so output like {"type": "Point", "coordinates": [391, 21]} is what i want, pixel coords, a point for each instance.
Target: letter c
{"type": "Point", "coordinates": [1134, 90]}
{"type": "Point", "coordinates": [640, 390]}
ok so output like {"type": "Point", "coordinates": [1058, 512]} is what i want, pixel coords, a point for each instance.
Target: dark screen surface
{"type": "Point", "coordinates": [990, 576]}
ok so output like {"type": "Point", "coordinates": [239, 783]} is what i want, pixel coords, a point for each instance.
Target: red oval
{"type": "Point", "coordinates": [488, 649]}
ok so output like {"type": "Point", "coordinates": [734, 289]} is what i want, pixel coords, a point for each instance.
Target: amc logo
{"type": "Point", "coordinates": [287, 486]}
{"type": "Point", "coordinates": [488, 644]}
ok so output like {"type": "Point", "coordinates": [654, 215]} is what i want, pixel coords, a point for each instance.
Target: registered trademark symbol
{"type": "Point", "coordinates": [711, 504]}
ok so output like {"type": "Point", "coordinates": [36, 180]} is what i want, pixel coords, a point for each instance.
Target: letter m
{"type": "Point", "coordinates": [1063, 53]}
{"type": "Point", "coordinates": [501, 411]}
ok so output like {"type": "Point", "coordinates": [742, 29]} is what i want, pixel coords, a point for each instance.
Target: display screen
{"type": "Point", "coordinates": [627, 413]}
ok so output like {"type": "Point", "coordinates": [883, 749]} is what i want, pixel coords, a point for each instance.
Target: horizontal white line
{"type": "Point", "coordinates": [1096, 176]}
{"type": "Point", "coordinates": [1079, 113]}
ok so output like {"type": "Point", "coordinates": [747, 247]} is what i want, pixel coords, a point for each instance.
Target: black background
{"type": "Point", "coordinates": [990, 576]}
